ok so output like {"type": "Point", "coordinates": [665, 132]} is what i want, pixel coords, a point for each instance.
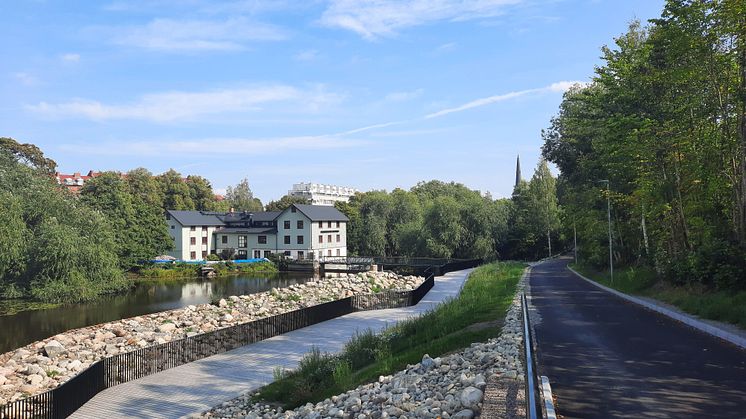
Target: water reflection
{"type": "Point", "coordinates": [146, 297]}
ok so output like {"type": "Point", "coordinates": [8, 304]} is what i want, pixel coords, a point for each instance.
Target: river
{"type": "Point", "coordinates": [145, 297]}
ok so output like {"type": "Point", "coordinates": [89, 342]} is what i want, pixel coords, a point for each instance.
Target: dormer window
{"type": "Point", "coordinates": [293, 209]}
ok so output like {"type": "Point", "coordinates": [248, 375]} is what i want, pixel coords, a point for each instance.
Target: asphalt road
{"type": "Point", "coordinates": [606, 357]}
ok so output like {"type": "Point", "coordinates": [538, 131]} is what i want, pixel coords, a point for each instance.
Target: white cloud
{"type": "Point", "coordinates": [308, 55]}
{"type": "Point", "coordinates": [178, 105]}
{"type": "Point", "coordinates": [404, 96]}
{"type": "Point", "coordinates": [447, 47]}
{"type": "Point", "coordinates": [195, 35]}
{"type": "Point", "coordinates": [26, 79]}
{"type": "Point", "coordinates": [70, 58]}
{"type": "Point", "coordinates": [220, 146]}
{"type": "Point", "coordinates": [381, 18]}
{"type": "Point", "coordinates": [557, 87]}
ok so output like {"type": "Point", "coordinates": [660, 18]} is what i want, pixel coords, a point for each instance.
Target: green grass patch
{"type": "Point", "coordinates": [728, 307]}
{"type": "Point", "coordinates": [190, 270]}
{"type": "Point", "coordinates": [486, 297]}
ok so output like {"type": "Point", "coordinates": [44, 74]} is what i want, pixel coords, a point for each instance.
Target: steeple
{"type": "Point", "coordinates": [517, 170]}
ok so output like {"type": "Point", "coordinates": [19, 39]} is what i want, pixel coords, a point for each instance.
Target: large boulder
{"type": "Point", "coordinates": [470, 397]}
{"type": "Point", "coordinates": [54, 349]}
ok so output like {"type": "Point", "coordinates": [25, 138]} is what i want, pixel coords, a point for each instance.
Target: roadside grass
{"type": "Point", "coordinates": [724, 306]}
{"type": "Point", "coordinates": [453, 325]}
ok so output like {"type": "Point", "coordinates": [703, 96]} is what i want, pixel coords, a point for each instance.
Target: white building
{"type": "Point", "coordinates": [319, 194]}
{"type": "Point", "coordinates": [298, 232]}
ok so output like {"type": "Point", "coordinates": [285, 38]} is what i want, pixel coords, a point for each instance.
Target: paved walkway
{"type": "Point", "coordinates": [200, 385]}
{"type": "Point", "coordinates": [606, 357]}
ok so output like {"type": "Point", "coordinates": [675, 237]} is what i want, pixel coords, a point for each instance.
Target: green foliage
{"type": "Point", "coordinates": [664, 120]}
{"type": "Point", "coordinates": [433, 219]}
{"type": "Point", "coordinates": [240, 198]}
{"type": "Point", "coordinates": [29, 155]}
{"type": "Point", "coordinates": [56, 249]}
{"type": "Point", "coordinates": [450, 326]}
{"type": "Point", "coordinates": [285, 202]}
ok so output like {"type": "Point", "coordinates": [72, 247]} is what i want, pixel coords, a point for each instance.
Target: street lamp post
{"type": "Point", "coordinates": [608, 214]}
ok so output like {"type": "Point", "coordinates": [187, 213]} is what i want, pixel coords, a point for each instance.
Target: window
{"type": "Point", "coordinates": [300, 224]}
{"type": "Point", "coordinates": [329, 252]}
{"type": "Point", "coordinates": [204, 240]}
{"type": "Point", "coordinates": [267, 253]}
{"type": "Point", "coordinates": [328, 224]}
{"type": "Point", "coordinates": [225, 239]}
{"type": "Point", "coordinates": [204, 228]}
{"type": "Point", "coordinates": [242, 254]}
{"type": "Point", "coordinates": [338, 238]}
{"type": "Point", "coordinates": [192, 241]}
{"type": "Point", "coordinates": [300, 254]}
{"type": "Point", "coordinates": [204, 254]}
{"type": "Point", "coordinates": [329, 238]}
{"type": "Point", "coordinates": [192, 255]}
{"type": "Point", "coordinates": [257, 254]}
{"type": "Point", "coordinates": [337, 224]}
{"type": "Point", "coordinates": [321, 239]}
{"type": "Point", "coordinates": [293, 209]}
{"type": "Point", "coordinates": [300, 239]}
{"type": "Point", "coordinates": [173, 227]}
{"type": "Point", "coordinates": [192, 228]}
{"type": "Point", "coordinates": [241, 241]}
{"type": "Point", "coordinates": [287, 239]}
{"type": "Point", "coordinates": [168, 216]}
{"type": "Point", "coordinates": [337, 252]}
{"type": "Point", "coordinates": [321, 224]}
{"type": "Point", "coordinates": [287, 253]}
{"type": "Point", "coordinates": [287, 224]}
{"type": "Point", "coordinates": [262, 239]}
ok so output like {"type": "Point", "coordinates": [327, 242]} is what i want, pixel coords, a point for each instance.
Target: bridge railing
{"type": "Point", "coordinates": [68, 397]}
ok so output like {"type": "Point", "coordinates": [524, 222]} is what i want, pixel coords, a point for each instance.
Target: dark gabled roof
{"type": "Point", "coordinates": [247, 230]}
{"type": "Point", "coordinates": [321, 212]}
{"type": "Point", "coordinates": [195, 218]}
{"type": "Point", "coordinates": [265, 215]}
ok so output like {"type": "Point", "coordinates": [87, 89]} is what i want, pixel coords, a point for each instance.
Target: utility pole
{"type": "Point", "coordinates": [608, 213]}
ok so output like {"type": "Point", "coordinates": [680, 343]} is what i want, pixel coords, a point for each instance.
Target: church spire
{"type": "Point", "coordinates": [517, 170]}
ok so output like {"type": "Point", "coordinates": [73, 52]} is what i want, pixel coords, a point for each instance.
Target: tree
{"type": "Point", "coordinates": [285, 202]}
{"type": "Point", "coordinates": [545, 208]}
{"type": "Point", "coordinates": [200, 192]}
{"type": "Point", "coordinates": [176, 192]}
{"type": "Point", "coordinates": [240, 198]}
{"type": "Point", "coordinates": [28, 154]}
{"type": "Point", "coordinates": [143, 184]}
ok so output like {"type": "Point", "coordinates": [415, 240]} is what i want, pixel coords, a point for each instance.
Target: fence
{"type": "Point", "coordinates": [65, 399]}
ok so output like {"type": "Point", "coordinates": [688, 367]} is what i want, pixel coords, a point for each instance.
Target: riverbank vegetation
{"type": "Point", "coordinates": [664, 122]}
{"type": "Point", "coordinates": [449, 327]}
{"type": "Point", "coordinates": [190, 270]}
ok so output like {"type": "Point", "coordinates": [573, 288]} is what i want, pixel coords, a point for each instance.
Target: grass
{"type": "Point", "coordinates": [724, 306]}
{"type": "Point", "coordinates": [186, 270]}
{"type": "Point", "coordinates": [451, 326]}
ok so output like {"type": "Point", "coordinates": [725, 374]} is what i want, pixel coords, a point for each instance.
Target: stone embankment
{"type": "Point", "coordinates": [46, 364]}
{"type": "Point", "coordinates": [451, 386]}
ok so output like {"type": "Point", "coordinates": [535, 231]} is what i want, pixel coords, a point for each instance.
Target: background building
{"type": "Point", "coordinates": [320, 194]}
{"type": "Point", "coordinates": [298, 232]}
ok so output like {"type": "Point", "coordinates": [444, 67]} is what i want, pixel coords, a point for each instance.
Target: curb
{"type": "Point", "coordinates": [683, 318]}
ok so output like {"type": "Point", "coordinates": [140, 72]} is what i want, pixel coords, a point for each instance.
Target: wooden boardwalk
{"type": "Point", "coordinates": [200, 385]}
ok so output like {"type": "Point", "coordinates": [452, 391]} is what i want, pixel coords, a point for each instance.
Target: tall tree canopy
{"type": "Point", "coordinates": [240, 197]}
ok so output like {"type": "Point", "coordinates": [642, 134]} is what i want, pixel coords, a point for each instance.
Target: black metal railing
{"type": "Point", "coordinates": [533, 397]}
{"type": "Point", "coordinates": [68, 397]}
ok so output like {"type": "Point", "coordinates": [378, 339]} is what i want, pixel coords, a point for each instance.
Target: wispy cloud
{"type": "Point", "coordinates": [222, 146]}
{"type": "Point", "coordinates": [172, 35]}
{"type": "Point", "coordinates": [26, 79]}
{"type": "Point", "coordinates": [307, 55]}
{"type": "Point", "coordinates": [404, 96]}
{"type": "Point", "coordinates": [70, 57]}
{"type": "Point", "coordinates": [179, 105]}
{"type": "Point", "coordinates": [557, 87]}
{"type": "Point", "coordinates": [447, 47]}
{"type": "Point", "coordinates": [382, 18]}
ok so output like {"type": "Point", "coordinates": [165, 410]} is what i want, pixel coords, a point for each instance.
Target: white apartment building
{"type": "Point", "coordinates": [320, 194]}
{"type": "Point", "coordinates": [298, 232]}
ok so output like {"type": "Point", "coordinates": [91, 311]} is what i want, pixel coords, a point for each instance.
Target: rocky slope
{"type": "Point", "coordinates": [447, 387]}
{"type": "Point", "coordinates": [44, 365]}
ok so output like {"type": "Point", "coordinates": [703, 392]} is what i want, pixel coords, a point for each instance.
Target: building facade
{"type": "Point", "coordinates": [299, 232]}
{"type": "Point", "coordinates": [320, 194]}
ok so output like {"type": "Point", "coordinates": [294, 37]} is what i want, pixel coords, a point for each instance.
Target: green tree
{"type": "Point", "coordinates": [285, 202]}
{"type": "Point", "coordinates": [200, 192]}
{"type": "Point", "coordinates": [240, 198]}
{"type": "Point", "coordinates": [545, 207]}
{"type": "Point", "coordinates": [29, 155]}
{"type": "Point", "coordinates": [176, 192]}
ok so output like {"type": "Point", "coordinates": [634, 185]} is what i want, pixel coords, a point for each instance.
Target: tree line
{"type": "Point", "coordinates": [664, 121]}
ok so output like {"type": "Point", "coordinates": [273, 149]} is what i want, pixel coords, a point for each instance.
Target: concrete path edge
{"type": "Point", "coordinates": [681, 317]}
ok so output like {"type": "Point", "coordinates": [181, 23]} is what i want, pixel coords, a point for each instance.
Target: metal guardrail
{"type": "Point", "coordinates": [65, 399]}
{"type": "Point", "coordinates": [533, 395]}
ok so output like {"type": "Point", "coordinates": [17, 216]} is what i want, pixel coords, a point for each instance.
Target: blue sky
{"type": "Point", "coordinates": [373, 95]}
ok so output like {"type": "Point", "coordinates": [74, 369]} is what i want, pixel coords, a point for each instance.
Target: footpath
{"type": "Point", "coordinates": [200, 385]}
